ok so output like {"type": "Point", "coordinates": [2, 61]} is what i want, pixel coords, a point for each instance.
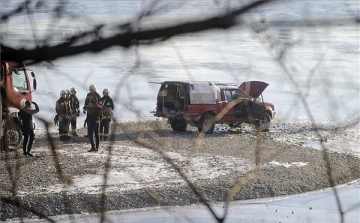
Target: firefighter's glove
{"type": "Point", "coordinates": [77, 113]}
{"type": "Point", "coordinates": [84, 111]}
{"type": "Point", "coordinates": [56, 121]}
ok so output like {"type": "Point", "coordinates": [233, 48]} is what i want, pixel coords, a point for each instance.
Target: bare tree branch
{"type": "Point", "coordinates": [128, 39]}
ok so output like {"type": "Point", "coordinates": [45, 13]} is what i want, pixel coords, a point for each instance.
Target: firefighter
{"type": "Point", "coordinates": [27, 128]}
{"type": "Point", "coordinates": [68, 94]}
{"type": "Point", "coordinates": [94, 96]}
{"type": "Point", "coordinates": [63, 111]}
{"type": "Point", "coordinates": [107, 109]}
{"type": "Point", "coordinates": [75, 110]}
{"type": "Point", "coordinates": [92, 108]}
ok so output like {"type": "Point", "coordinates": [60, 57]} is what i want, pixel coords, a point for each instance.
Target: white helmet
{"type": "Point", "coordinates": [92, 87]}
{"type": "Point", "coordinates": [62, 92]}
{"type": "Point", "coordinates": [67, 92]}
{"type": "Point", "coordinates": [106, 91]}
{"type": "Point", "coordinates": [73, 90]}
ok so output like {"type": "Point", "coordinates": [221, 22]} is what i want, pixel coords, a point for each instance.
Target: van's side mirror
{"type": "Point", "coordinates": [34, 84]}
{"type": "Point", "coordinates": [34, 80]}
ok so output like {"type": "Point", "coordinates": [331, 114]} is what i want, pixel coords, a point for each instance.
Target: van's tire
{"type": "Point", "coordinates": [263, 125]}
{"type": "Point", "coordinates": [206, 118]}
{"type": "Point", "coordinates": [235, 124]}
{"type": "Point", "coordinates": [12, 135]}
{"type": "Point", "coordinates": [179, 125]}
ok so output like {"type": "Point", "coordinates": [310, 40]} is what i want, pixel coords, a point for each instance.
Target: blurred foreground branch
{"type": "Point", "coordinates": [126, 40]}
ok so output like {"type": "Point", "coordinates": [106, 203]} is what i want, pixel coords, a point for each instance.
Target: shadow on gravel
{"type": "Point", "coordinates": [164, 133]}
{"type": "Point", "coordinates": [191, 133]}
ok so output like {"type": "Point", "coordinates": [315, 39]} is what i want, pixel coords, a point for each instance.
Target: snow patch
{"type": "Point", "coordinates": [287, 165]}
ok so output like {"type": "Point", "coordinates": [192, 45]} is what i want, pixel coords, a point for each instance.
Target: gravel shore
{"type": "Point", "coordinates": [46, 184]}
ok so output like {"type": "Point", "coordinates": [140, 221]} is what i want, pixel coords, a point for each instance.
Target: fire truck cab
{"type": "Point", "coordinates": [15, 90]}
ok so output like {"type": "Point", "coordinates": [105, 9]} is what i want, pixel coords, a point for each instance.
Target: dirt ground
{"type": "Point", "coordinates": [146, 164]}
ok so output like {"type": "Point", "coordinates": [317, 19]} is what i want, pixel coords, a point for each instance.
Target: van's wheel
{"type": "Point", "coordinates": [13, 135]}
{"type": "Point", "coordinates": [179, 125]}
{"type": "Point", "coordinates": [206, 118]}
{"type": "Point", "coordinates": [235, 125]}
{"type": "Point", "coordinates": [263, 125]}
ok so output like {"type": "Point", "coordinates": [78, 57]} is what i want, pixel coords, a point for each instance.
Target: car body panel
{"type": "Point", "coordinates": [253, 88]}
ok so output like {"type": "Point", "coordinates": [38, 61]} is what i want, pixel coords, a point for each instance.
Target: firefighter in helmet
{"type": "Point", "coordinates": [75, 110]}
{"type": "Point", "coordinates": [92, 108]}
{"type": "Point", "coordinates": [107, 110]}
{"type": "Point", "coordinates": [68, 93]}
{"type": "Point", "coordinates": [62, 111]}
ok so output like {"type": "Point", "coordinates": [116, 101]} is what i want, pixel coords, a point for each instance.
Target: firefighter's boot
{"type": "Point", "coordinates": [73, 132]}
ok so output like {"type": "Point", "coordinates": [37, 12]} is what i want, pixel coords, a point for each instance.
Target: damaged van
{"type": "Point", "coordinates": [204, 104]}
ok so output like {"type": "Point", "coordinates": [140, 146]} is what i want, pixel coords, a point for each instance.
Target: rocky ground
{"type": "Point", "coordinates": [146, 162]}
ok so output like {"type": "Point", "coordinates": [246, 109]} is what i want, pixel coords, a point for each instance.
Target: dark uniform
{"type": "Point", "coordinates": [27, 129]}
{"type": "Point", "coordinates": [63, 111]}
{"type": "Point", "coordinates": [107, 108]}
{"type": "Point", "coordinates": [93, 110]}
{"type": "Point", "coordinates": [75, 111]}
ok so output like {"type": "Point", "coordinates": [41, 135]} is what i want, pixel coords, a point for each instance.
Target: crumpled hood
{"type": "Point", "coordinates": [253, 88]}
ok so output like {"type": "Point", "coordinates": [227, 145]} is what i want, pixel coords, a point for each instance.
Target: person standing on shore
{"type": "Point", "coordinates": [68, 94]}
{"type": "Point", "coordinates": [75, 110]}
{"type": "Point", "coordinates": [62, 111]}
{"type": "Point", "coordinates": [93, 110]}
{"type": "Point", "coordinates": [107, 108]}
{"type": "Point", "coordinates": [27, 128]}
